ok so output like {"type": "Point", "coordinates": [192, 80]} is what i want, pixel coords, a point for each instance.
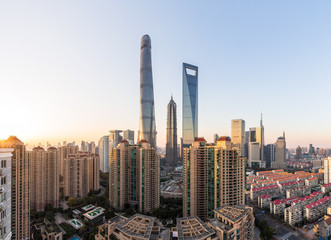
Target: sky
{"type": "Point", "coordinates": [69, 70]}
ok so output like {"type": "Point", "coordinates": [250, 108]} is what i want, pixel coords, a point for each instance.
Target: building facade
{"type": "Point", "coordinates": [269, 154]}
{"type": "Point", "coordinates": [45, 178]}
{"type": "Point", "coordinates": [171, 144]}
{"type": "Point", "coordinates": [213, 176]}
{"type": "Point", "coordinates": [5, 195]}
{"type": "Point", "coordinates": [327, 170]}
{"type": "Point", "coordinates": [104, 153]}
{"type": "Point", "coordinates": [20, 189]}
{"type": "Point", "coordinates": [134, 176]}
{"type": "Point", "coordinates": [256, 147]}
{"type": "Point", "coordinates": [147, 126]}
{"type": "Point", "coordinates": [280, 151]}
{"type": "Point", "coordinates": [238, 135]}
{"type": "Point", "coordinates": [190, 104]}
{"type": "Point", "coordinates": [81, 174]}
{"type": "Point", "coordinates": [129, 136]}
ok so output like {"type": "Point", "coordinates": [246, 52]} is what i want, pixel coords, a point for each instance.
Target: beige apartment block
{"type": "Point", "coordinates": [44, 183]}
{"type": "Point", "coordinates": [213, 176]}
{"type": "Point", "coordinates": [20, 188]}
{"type": "Point", "coordinates": [233, 222]}
{"type": "Point", "coordinates": [134, 176]}
{"type": "Point", "coordinates": [81, 174]}
{"type": "Point", "coordinates": [317, 209]}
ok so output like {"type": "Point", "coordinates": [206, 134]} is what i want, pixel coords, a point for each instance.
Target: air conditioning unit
{"type": "Point", "coordinates": [2, 189]}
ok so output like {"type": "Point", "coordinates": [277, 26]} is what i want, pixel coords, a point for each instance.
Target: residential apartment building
{"type": "Point", "coordinates": [5, 193]}
{"type": "Point", "coordinates": [81, 174]}
{"type": "Point", "coordinates": [20, 188]}
{"type": "Point", "coordinates": [233, 222]}
{"type": "Point", "coordinates": [44, 181]}
{"type": "Point", "coordinates": [134, 176]}
{"type": "Point", "coordinates": [317, 209]}
{"type": "Point", "coordinates": [213, 176]}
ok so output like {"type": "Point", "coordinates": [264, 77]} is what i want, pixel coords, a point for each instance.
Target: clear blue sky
{"type": "Point", "coordinates": [69, 70]}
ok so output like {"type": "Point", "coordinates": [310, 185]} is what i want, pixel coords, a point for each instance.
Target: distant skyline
{"type": "Point", "coordinates": [69, 71]}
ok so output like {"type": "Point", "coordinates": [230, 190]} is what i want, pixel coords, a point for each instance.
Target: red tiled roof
{"type": "Point", "coordinates": [326, 185]}
{"type": "Point", "coordinates": [124, 141]}
{"type": "Point", "coordinates": [52, 148]}
{"type": "Point", "coordinates": [278, 201]}
{"type": "Point", "coordinates": [224, 138]}
{"type": "Point", "coordinates": [319, 202]}
{"type": "Point", "coordinates": [143, 141]}
{"type": "Point", "coordinates": [200, 139]}
{"type": "Point", "coordinates": [313, 178]}
{"type": "Point", "coordinates": [287, 183]}
{"type": "Point", "coordinates": [264, 196]}
{"type": "Point", "coordinates": [264, 188]}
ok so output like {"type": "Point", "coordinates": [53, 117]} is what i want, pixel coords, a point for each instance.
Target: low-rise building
{"type": "Point", "coordinates": [311, 182]}
{"type": "Point", "coordinates": [325, 228]}
{"type": "Point", "coordinates": [272, 191]}
{"type": "Point", "coordinates": [192, 228]}
{"type": "Point", "coordinates": [277, 207]}
{"type": "Point", "coordinates": [326, 188]}
{"type": "Point", "coordinates": [293, 215]}
{"type": "Point", "coordinates": [317, 209]}
{"type": "Point", "coordinates": [264, 201]}
{"type": "Point", "coordinates": [298, 192]}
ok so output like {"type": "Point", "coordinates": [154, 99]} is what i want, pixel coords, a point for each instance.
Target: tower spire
{"type": "Point", "coordinates": [261, 121]}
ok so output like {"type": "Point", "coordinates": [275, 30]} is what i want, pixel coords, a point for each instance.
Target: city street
{"type": "Point", "coordinates": [282, 232]}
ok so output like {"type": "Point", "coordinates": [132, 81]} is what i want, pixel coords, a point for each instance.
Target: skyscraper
{"type": "Point", "coordinates": [129, 136]}
{"type": "Point", "coordinates": [147, 128]}
{"type": "Point", "coordinates": [114, 138]}
{"type": "Point", "coordinates": [213, 176]}
{"type": "Point", "coordinates": [5, 160]}
{"type": "Point", "coordinates": [20, 189]}
{"type": "Point", "coordinates": [280, 149]}
{"type": "Point", "coordinates": [256, 146]}
{"type": "Point", "coordinates": [238, 135]}
{"type": "Point", "coordinates": [44, 180]}
{"type": "Point", "coordinates": [298, 153]}
{"type": "Point", "coordinates": [327, 170]}
{"type": "Point", "coordinates": [104, 153]}
{"type": "Point", "coordinates": [190, 104]}
{"type": "Point", "coordinates": [171, 145]}
{"type": "Point", "coordinates": [81, 174]}
{"type": "Point", "coordinates": [269, 155]}
{"type": "Point", "coordinates": [134, 176]}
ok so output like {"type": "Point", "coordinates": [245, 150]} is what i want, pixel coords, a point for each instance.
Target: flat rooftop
{"type": "Point", "coordinates": [137, 226]}
{"type": "Point", "coordinates": [88, 207]}
{"type": "Point", "coordinates": [232, 213]}
{"type": "Point", "coordinates": [77, 224]}
{"type": "Point", "coordinates": [193, 228]}
{"type": "Point", "coordinates": [96, 212]}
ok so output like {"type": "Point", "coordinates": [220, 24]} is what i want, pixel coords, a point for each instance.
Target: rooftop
{"type": "Point", "coordinates": [137, 226]}
{"type": "Point", "coordinates": [190, 228]}
{"type": "Point", "coordinates": [319, 202]}
{"type": "Point", "coordinates": [264, 188]}
{"type": "Point", "coordinates": [232, 213]}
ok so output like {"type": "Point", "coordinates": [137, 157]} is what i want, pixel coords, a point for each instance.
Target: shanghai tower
{"type": "Point", "coordinates": [147, 129]}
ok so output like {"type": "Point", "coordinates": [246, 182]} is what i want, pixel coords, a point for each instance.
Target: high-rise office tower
{"type": "Point", "coordinates": [171, 145]}
{"type": "Point", "coordinates": [5, 161]}
{"type": "Point", "coordinates": [280, 150]}
{"type": "Point", "coordinates": [327, 170]}
{"type": "Point", "coordinates": [81, 174]}
{"type": "Point", "coordinates": [114, 138]}
{"type": "Point", "coordinates": [269, 154]}
{"type": "Point", "coordinates": [190, 104]}
{"type": "Point", "coordinates": [238, 135]}
{"type": "Point", "coordinates": [129, 136]}
{"type": "Point", "coordinates": [256, 147]}
{"type": "Point", "coordinates": [83, 146]}
{"type": "Point", "coordinates": [213, 176]}
{"type": "Point", "coordinates": [215, 137]}
{"type": "Point", "coordinates": [20, 189]}
{"type": "Point", "coordinates": [311, 149]}
{"type": "Point", "coordinates": [104, 153]}
{"type": "Point", "coordinates": [134, 176]}
{"type": "Point", "coordinates": [147, 127]}
{"type": "Point", "coordinates": [298, 153]}
{"type": "Point", "coordinates": [44, 180]}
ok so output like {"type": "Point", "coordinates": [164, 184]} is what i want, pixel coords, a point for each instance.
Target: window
{"type": "Point", "coordinates": [3, 163]}
{"type": "Point", "coordinates": [3, 180]}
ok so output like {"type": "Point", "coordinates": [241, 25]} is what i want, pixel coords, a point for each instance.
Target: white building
{"type": "Point", "coordinates": [104, 153]}
{"type": "Point", "coordinates": [327, 170]}
{"type": "Point", "coordinates": [5, 193]}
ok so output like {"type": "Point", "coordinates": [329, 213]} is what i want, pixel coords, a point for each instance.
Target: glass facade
{"type": "Point", "coordinates": [147, 128]}
{"type": "Point", "coordinates": [190, 104]}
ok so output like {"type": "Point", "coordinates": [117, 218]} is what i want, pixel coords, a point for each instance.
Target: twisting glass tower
{"type": "Point", "coordinates": [147, 129]}
{"type": "Point", "coordinates": [171, 145]}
